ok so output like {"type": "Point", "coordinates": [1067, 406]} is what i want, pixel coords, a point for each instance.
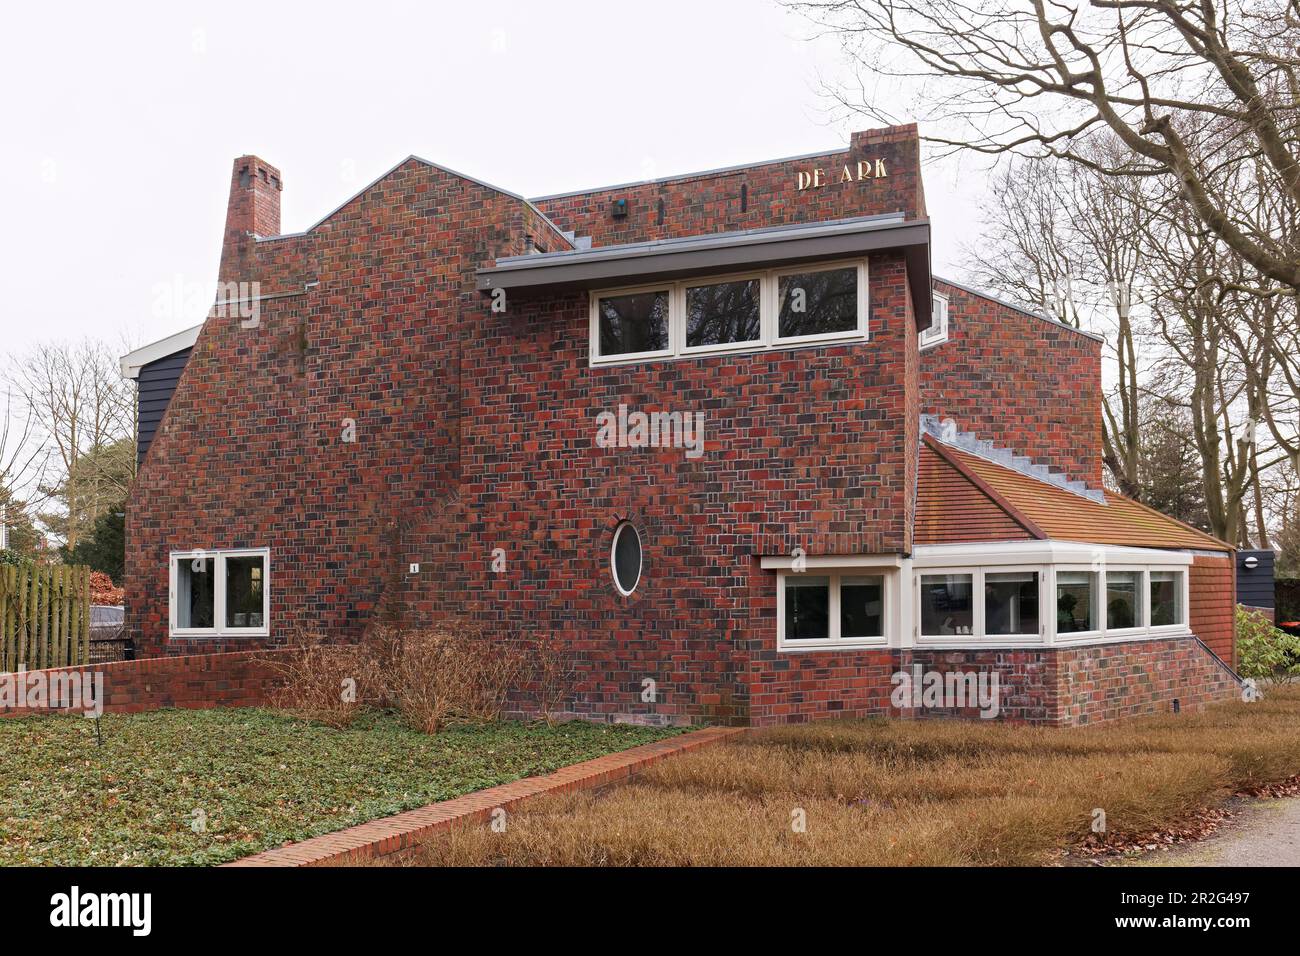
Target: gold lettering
{"type": "Point", "coordinates": [817, 178]}
{"type": "Point", "coordinates": [880, 168]}
{"type": "Point", "coordinates": [846, 177]}
{"type": "Point", "coordinates": [864, 169]}
{"type": "Point", "coordinates": [804, 180]}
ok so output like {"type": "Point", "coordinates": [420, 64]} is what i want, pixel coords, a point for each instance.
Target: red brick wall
{"type": "Point", "coordinates": [1018, 381]}
{"type": "Point", "coordinates": [241, 679]}
{"type": "Point", "coordinates": [811, 448]}
{"type": "Point", "coordinates": [250, 452]}
{"type": "Point", "coordinates": [1064, 686]}
{"type": "Point", "coordinates": [1212, 583]}
{"type": "Point", "coordinates": [1111, 681]}
{"type": "Point", "coordinates": [712, 202]}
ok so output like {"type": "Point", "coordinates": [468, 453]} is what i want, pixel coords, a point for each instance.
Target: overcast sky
{"type": "Point", "coordinates": [121, 122]}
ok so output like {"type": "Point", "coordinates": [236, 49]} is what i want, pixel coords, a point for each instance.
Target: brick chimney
{"type": "Point", "coordinates": [254, 198]}
{"type": "Point", "coordinates": [254, 208]}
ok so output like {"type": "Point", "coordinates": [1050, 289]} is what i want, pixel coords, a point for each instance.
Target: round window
{"type": "Point", "coordinates": [625, 558]}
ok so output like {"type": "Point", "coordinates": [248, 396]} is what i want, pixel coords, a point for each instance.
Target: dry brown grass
{"type": "Point", "coordinates": [887, 793]}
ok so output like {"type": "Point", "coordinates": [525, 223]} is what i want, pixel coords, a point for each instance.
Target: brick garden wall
{"type": "Point", "coordinates": [238, 679]}
{"type": "Point", "coordinates": [1108, 682]}
{"type": "Point", "coordinates": [1062, 686]}
{"type": "Point", "coordinates": [1018, 381]}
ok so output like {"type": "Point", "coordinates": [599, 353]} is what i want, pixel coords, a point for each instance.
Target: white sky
{"type": "Point", "coordinates": [120, 128]}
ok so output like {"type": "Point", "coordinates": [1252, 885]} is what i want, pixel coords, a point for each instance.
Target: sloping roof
{"type": "Point", "coordinates": [1016, 506]}
{"type": "Point", "coordinates": [132, 362]}
{"type": "Point", "coordinates": [952, 506]}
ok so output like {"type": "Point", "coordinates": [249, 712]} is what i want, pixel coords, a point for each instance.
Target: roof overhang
{"type": "Point", "coordinates": [670, 259]}
{"type": "Point", "coordinates": [134, 361]}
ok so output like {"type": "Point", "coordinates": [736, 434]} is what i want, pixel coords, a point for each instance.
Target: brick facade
{"type": "Point", "coordinates": [1018, 381]}
{"type": "Point", "coordinates": [475, 431]}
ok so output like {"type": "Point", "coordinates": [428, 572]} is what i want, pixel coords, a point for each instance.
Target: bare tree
{"type": "Point", "coordinates": [1175, 82]}
{"type": "Point", "coordinates": [83, 412]}
{"type": "Point", "coordinates": [1068, 242]}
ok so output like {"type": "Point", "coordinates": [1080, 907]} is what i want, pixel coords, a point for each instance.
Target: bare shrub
{"type": "Point", "coordinates": [327, 683]}
{"type": "Point", "coordinates": [451, 674]}
{"type": "Point", "coordinates": [436, 676]}
{"type": "Point", "coordinates": [552, 671]}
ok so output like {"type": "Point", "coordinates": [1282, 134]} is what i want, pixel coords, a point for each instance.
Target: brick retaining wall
{"type": "Point", "coordinates": [235, 679]}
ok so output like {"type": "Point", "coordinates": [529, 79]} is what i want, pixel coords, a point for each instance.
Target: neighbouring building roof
{"type": "Point", "coordinates": [134, 361]}
{"type": "Point", "coordinates": [962, 497]}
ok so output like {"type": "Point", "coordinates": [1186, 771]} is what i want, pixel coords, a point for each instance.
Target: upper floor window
{"type": "Point", "coordinates": [734, 313]}
{"type": "Point", "coordinates": [938, 329]}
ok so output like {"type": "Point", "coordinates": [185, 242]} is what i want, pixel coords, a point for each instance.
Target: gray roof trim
{"type": "Point", "coordinates": [695, 255]}
{"type": "Point", "coordinates": [680, 176]}
{"type": "Point", "coordinates": [762, 234]}
{"type": "Point", "coordinates": [1021, 309]}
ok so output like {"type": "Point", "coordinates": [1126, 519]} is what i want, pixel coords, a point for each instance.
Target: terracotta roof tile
{"type": "Point", "coordinates": [951, 503]}
{"type": "Point", "coordinates": [947, 512]}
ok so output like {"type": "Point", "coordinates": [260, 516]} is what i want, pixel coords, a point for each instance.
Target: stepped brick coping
{"type": "Point", "coordinates": [405, 830]}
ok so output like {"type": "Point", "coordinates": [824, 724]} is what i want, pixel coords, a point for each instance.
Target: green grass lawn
{"type": "Point", "coordinates": [254, 777]}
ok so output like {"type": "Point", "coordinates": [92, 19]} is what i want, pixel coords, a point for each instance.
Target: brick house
{"type": "Point", "coordinates": [721, 435]}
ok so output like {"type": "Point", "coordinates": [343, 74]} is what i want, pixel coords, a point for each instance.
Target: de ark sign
{"type": "Point", "coordinates": [848, 173]}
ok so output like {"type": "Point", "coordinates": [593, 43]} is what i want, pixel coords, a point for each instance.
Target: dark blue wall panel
{"type": "Point", "coordinates": [1255, 585]}
{"type": "Point", "coordinates": [156, 386]}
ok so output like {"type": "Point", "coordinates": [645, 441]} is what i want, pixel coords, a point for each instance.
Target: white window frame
{"type": "Point", "coordinates": [219, 628]}
{"type": "Point", "coordinates": [774, 285]}
{"type": "Point", "coordinates": [768, 314]}
{"type": "Point", "coordinates": [1098, 604]}
{"type": "Point", "coordinates": [834, 640]}
{"type": "Point", "coordinates": [938, 330]}
{"type": "Point", "coordinates": [977, 605]}
{"type": "Point", "coordinates": [700, 281]}
{"type": "Point", "coordinates": [980, 597]}
{"type": "Point", "coordinates": [613, 550]}
{"type": "Point", "coordinates": [1143, 595]}
{"type": "Point", "coordinates": [668, 287]}
{"type": "Point", "coordinates": [1184, 597]}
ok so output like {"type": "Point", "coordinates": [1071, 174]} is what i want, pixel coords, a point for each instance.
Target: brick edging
{"type": "Point", "coordinates": [404, 830]}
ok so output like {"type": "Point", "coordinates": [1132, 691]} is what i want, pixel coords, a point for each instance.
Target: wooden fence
{"type": "Point", "coordinates": [44, 616]}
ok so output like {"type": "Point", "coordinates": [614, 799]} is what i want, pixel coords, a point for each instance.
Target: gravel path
{"type": "Point", "coordinates": [1265, 833]}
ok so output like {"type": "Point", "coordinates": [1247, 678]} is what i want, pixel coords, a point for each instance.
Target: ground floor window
{"type": "Point", "coordinates": [816, 610]}
{"type": "Point", "coordinates": [1011, 602]}
{"type": "Point", "coordinates": [967, 595]}
{"type": "Point", "coordinates": [1076, 602]}
{"type": "Point", "coordinates": [220, 592]}
{"type": "Point", "coordinates": [947, 604]}
{"type": "Point", "coordinates": [1166, 592]}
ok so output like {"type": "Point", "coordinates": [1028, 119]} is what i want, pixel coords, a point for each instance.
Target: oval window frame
{"type": "Point", "coordinates": [613, 558]}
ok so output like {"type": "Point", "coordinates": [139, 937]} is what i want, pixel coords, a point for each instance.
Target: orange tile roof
{"type": "Point", "coordinates": [950, 500]}
{"type": "Point", "coordinates": [948, 512]}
